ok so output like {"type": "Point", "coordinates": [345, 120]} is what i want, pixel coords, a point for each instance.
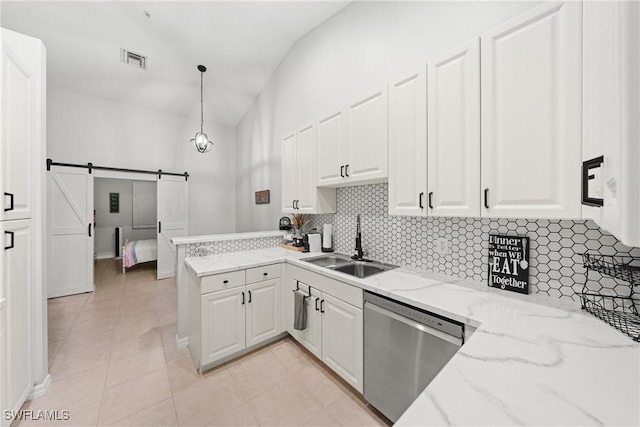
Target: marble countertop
{"type": "Point", "coordinates": [526, 364]}
{"type": "Point", "coordinates": [221, 237]}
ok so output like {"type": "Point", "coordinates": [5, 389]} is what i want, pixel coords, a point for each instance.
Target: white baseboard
{"type": "Point", "coordinates": [104, 255]}
{"type": "Point", "coordinates": [40, 389]}
{"type": "Point", "coordinates": [182, 342]}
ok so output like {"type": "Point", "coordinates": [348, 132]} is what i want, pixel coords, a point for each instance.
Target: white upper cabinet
{"type": "Point", "coordinates": [610, 111]}
{"type": "Point", "coordinates": [330, 148]}
{"type": "Point", "coordinates": [299, 191]}
{"type": "Point", "coordinates": [366, 142]}
{"type": "Point", "coordinates": [408, 144]}
{"type": "Point", "coordinates": [289, 173]}
{"type": "Point", "coordinates": [531, 92]}
{"type": "Point", "coordinates": [454, 133]}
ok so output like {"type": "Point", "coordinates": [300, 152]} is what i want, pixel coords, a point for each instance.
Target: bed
{"type": "Point", "coordinates": [138, 251]}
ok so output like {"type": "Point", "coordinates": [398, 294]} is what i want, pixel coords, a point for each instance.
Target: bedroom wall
{"type": "Point", "coordinates": [82, 129]}
{"type": "Point", "coordinates": [106, 222]}
{"type": "Point", "coordinates": [361, 47]}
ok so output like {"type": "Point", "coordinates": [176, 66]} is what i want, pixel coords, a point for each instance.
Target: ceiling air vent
{"type": "Point", "coordinates": [133, 59]}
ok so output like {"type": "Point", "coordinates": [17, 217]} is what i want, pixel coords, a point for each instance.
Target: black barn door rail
{"type": "Point", "coordinates": [91, 167]}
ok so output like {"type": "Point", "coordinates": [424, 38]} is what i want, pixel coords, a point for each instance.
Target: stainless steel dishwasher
{"type": "Point", "coordinates": [404, 349]}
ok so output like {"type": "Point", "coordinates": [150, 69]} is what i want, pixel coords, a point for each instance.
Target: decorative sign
{"type": "Point", "coordinates": [114, 202]}
{"type": "Point", "coordinates": [263, 197]}
{"type": "Point", "coordinates": [509, 263]}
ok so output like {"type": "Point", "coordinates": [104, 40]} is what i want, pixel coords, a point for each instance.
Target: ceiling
{"type": "Point", "coordinates": [241, 43]}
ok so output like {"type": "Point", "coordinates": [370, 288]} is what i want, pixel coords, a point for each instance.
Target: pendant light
{"type": "Point", "coordinates": [201, 143]}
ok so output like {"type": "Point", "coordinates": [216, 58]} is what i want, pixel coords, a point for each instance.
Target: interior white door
{"type": "Point", "coordinates": [342, 337]}
{"type": "Point", "coordinates": [263, 311]}
{"type": "Point", "coordinates": [531, 96]}
{"type": "Point", "coordinates": [16, 289]}
{"type": "Point", "coordinates": [454, 133]}
{"type": "Point", "coordinates": [173, 220]}
{"type": "Point", "coordinates": [289, 173]}
{"type": "Point", "coordinates": [408, 144]}
{"type": "Point", "coordinates": [330, 140]}
{"type": "Point", "coordinates": [223, 324]}
{"type": "Point", "coordinates": [306, 170]}
{"type": "Point", "coordinates": [69, 231]}
{"type": "Point", "coordinates": [21, 117]}
{"type": "Point", "coordinates": [366, 142]}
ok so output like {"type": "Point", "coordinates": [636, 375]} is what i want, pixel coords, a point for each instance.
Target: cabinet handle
{"type": "Point", "coordinates": [431, 200]}
{"type": "Point", "coordinates": [486, 198]}
{"type": "Point", "coordinates": [317, 299]}
{"type": "Point", "coordinates": [10, 208]}
{"type": "Point", "coordinates": [89, 229]}
{"type": "Point", "coordinates": [159, 227]}
{"type": "Point", "coordinates": [10, 233]}
{"type": "Point", "coordinates": [342, 171]}
{"type": "Point", "coordinates": [249, 297]}
{"type": "Point", "coordinates": [420, 202]}
{"type": "Point", "coordinates": [322, 306]}
{"type": "Point", "coordinates": [243, 298]}
{"type": "Point", "coordinates": [265, 274]}
{"type": "Point", "coordinates": [225, 281]}
{"type": "Point", "coordinates": [346, 171]}
{"type": "Point", "coordinates": [297, 204]}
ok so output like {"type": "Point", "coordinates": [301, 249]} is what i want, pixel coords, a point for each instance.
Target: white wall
{"type": "Point", "coordinates": [106, 222]}
{"type": "Point", "coordinates": [82, 129]}
{"type": "Point", "coordinates": [359, 48]}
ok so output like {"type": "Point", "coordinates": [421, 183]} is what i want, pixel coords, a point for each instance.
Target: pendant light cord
{"type": "Point", "coordinates": [201, 103]}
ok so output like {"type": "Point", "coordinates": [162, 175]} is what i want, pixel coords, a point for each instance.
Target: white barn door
{"type": "Point", "coordinates": [173, 216]}
{"type": "Point", "coordinates": [69, 231]}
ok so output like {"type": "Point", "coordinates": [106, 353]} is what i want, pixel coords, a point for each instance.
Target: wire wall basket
{"type": "Point", "coordinates": [619, 311]}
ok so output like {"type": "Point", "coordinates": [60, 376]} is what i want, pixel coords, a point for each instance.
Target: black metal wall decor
{"type": "Point", "coordinates": [263, 197]}
{"type": "Point", "coordinates": [509, 263]}
{"type": "Point", "coordinates": [114, 202]}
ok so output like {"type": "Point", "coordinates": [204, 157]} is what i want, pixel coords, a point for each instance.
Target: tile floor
{"type": "Point", "coordinates": [113, 361]}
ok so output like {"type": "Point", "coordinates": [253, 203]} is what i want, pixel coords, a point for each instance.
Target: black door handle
{"type": "Point", "coordinates": [225, 281]}
{"type": "Point", "coordinates": [10, 208]}
{"type": "Point", "coordinates": [159, 227]}
{"type": "Point", "coordinates": [346, 171]}
{"type": "Point", "coordinates": [317, 299]}
{"type": "Point", "coordinates": [342, 171]}
{"type": "Point", "coordinates": [265, 274]}
{"type": "Point", "coordinates": [431, 200]}
{"type": "Point", "coordinates": [89, 229]}
{"type": "Point", "coordinates": [10, 233]}
{"type": "Point", "coordinates": [420, 203]}
{"type": "Point", "coordinates": [249, 297]}
{"type": "Point", "coordinates": [243, 298]}
{"type": "Point", "coordinates": [486, 198]}
{"type": "Point", "coordinates": [322, 306]}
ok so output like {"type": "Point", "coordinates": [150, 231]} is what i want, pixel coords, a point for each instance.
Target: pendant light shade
{"type": "Point", "coordinates": [201, 143]}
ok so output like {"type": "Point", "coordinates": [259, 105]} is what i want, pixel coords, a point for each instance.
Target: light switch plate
{"type": "Point", "coordinates": [443, 246]}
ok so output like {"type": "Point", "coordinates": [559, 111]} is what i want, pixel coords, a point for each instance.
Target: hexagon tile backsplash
{"type": "Point", "coordinates": [555, 253]}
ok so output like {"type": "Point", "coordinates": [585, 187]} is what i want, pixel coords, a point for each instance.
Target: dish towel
{"type": "Point", "coordinates": [300, 311]}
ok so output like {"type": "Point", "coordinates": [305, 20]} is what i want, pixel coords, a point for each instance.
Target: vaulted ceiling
{"type": "Point", "coordinates": [241, 43]}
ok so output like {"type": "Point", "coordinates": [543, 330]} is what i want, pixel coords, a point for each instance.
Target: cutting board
{"type": "Point", "coordinates": [291, 247]}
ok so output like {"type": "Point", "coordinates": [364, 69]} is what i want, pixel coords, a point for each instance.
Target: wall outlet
{"type": "Point", "coordinates": [443, 246]}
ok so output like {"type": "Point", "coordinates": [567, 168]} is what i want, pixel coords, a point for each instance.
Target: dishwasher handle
{"type": "Point", "coordinates": [415, 325]}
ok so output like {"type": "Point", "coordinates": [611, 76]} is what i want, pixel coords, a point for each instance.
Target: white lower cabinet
{"type": "Point", "coordinates": [334, 330]}
{"type": "Point", "coordinates": [228, 317]}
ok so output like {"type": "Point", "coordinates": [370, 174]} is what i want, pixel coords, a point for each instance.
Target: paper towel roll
{"type": "Point", "coordinates": [314, 242]}
{"type": "Point", "coordinates": [327, 236]}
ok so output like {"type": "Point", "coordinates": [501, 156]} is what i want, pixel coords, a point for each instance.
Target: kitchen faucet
{"type": "Point", "coordinates": [359, 255]}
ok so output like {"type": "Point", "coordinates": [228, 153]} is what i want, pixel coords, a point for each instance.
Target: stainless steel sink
{"type": "Point", "coordinates": [344, 264]}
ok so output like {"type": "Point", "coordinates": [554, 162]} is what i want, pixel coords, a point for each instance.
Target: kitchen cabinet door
{"type": "Point", "coordinates": [311, 337]}
{"type": "Point", "coordinates": [330, 148]}
{"type": "Point", "coordinates": [16, 288]}
{"type": "Point", "coordinates": [408, 144]}
{"type": "Point", "coordinates": [342, 337]}
{"type": "Point", "coordinates": [531, 95]}
{"type": "Point", "coordinates": [454, 133]}
{"type": "Point", "coordinates": [222, 324]}
{"type": "Point", "coordinates": [263, 311]}
{"type": "Point", "coordinates": [289, 173]}
{"type": "Point", "coordinates": [306, 170]}
{"type": "Point", "coordinates": [367, 138]}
